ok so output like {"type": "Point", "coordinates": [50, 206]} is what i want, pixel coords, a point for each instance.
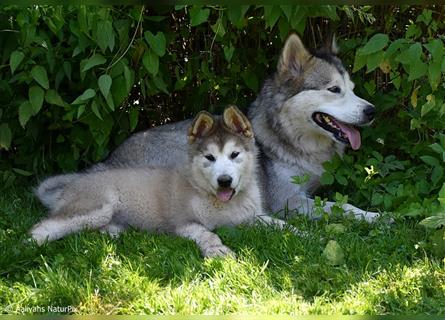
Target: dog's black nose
{"type": "Point", "coordinates": [369, 112]}
{"type": "Point", "coordinates": [224, 181]}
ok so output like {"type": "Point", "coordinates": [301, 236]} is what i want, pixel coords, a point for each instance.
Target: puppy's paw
{"type": "Point", "coordinates": [113, 230]}
{"type": "Point", "coordinates": [218, 251]}
{"type": "Point", "coordinates": [39, 234]}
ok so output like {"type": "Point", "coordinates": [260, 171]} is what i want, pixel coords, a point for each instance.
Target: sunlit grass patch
{"type": "Point", "coordinates": [385, 270]}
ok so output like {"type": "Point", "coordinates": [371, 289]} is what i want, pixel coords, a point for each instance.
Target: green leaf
{"type": "Point", "coordinates": [436, 48]}
{"type": "Point", "coordinates": [434, 74]}
{"type": "Point", "coordinates": [359, 61]}
{"type": "Point", "coordinates": [326, 178]}
{"type": "Point", "coordinates": [157, 43]}
{"type": "Point", "coordinates": [271, 15]}
{"type": "Point", "coordinates": [335, 228]}
{"type": "Point", "coordinates": [437, 148]}
{"type": "Point", "coordinates": [95, 109]}
{"type": "Point", "coordinates": [95, 60]}
{"type": "Point", "coordinates": [410, 56]}
{"type": "Point", "coordinates": [376, 43]}
{"type": "Point", "coordinates": [377, 199]}
{"type": "Point", "coordinates": [104, 83]}
{"type": "Point", "coordinates": [80, 110]}
{"type": "Point", "coordinates": [198, 15]}
{"type": "Point", "coordinates": [105, 35]}
{"type": "Point", "coordinates": [433, 222]}
{"type": "Point", "coordinates": [373, 60]}
{"type": "Point", "coordinates": [129, 77]}
{"type": "Point", "coordinates": [430, 160]}
{"type": "Point", "coordinates": [5, 136]}
{"type": "Point", "coordinates": [436, 174]}
{"type": "Point", "coordinates": [228, 52]}
{"type": "Point", "coordinates": [133, 117]}
{"type": "Point", "coordinates": [417, 70]}
{"type": "Point", "coordinates": [36, 96]}
{"type": "Point", "coordinates": [288, 11]}
{"type": "Point", "coordinates": [438, 243]}
{"type": "Point", "coordinates": [441, 197]}
{"type": "Point", "coordinates": [52, 97]}
{"type": "Point", "coordinates": [334, 253]}
{"type": "Point", "coordinates": [341, 179]}
{"type": "Point", "coordinates": [218, 28]}
{"type": "Point", "coordinates": [160, 84]}
{"type": "Point", "coordinates": [40, 76]}
{"type": "Point", "coordinates": [119, 91]}
{"type": "Point", "coordinates": [22, 172]}
{"type": "Point", "coordinates": [394, 46]}
{"type": "Point", "coordinates": [236, 14]}
{"type": "Point", "coordinates": [298, 22]}
{"type": "Point", "coordinates": [151, 62]}
{"type": "Point", "coordinates": [15, 59]}
{"type": "Point", "coordinates": [250, 79]}
{"type": "Point", "coordinates": [301, 179]}
{"type": "Point", "coordinates": [428, 106]}
{"type": "Point", "coordinates": [87, 95]}
{"type": "Point", "coordinates": [25, 113]}
{"type": "Point", "coordinates": [110, 102]}
{"type": "Point", "coordinates": [67, 69]}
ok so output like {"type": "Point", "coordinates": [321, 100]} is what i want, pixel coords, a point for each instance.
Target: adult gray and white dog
{"type": "Point", "coordinates": [304, 114]}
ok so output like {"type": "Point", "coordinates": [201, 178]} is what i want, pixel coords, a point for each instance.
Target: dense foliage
{"type": "Point", "coordinates": [77, 80]}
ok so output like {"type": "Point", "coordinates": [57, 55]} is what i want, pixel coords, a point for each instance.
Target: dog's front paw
{"type": "Point", "coordinates": [39, 234]}
{"type": "Point", "coordinates": [218, 251]}
{"type": "Point", "coordinates": [368, 216]}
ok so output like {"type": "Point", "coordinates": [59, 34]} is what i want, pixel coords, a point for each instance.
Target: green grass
{"type": "Point", "coordinates": [387, 269]}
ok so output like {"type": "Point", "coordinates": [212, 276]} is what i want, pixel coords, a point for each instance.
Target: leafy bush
{"type": "Point", "coordinates": [77, 80]}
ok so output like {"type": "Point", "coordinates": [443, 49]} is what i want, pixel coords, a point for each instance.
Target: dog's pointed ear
{"type": "Point", "coordinates": [201, 126]}
{"type": "Point", "coordinates": [294, 55]}
{"type": "Point", "coordinates": [237, 122]}
{"type": "Point", "coordinates": [330, 45]}
{"type": "Point", "coordinates": [334, 47]}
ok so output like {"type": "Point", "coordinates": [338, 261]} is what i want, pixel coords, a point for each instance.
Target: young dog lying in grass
{"type": "Point", "coordinates": [217, 187]}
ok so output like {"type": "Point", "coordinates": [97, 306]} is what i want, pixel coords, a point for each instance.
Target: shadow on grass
{"type": "Point", "coordinates": [385, 270]}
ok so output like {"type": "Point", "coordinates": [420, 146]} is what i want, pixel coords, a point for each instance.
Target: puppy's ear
{"type": "Point", "coordinates": [294, 56]}
{"type": "Point", "coordinates": [237, 122]}
{"type": "Point", "coordinates": [201, 126]}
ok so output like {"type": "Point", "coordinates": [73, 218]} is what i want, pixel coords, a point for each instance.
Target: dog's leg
{"type": "Point", "coordinates": [113, 229]}
{"type": "Point", "coordinates": [306, 205]}
{"type": "Point", "coordinates": [59, 226]}
{"type": "Point", "coordinates": [209, 243]}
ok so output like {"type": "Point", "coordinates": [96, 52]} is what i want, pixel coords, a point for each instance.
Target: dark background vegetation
{"type": "Point", "coordinates": [75, 81]}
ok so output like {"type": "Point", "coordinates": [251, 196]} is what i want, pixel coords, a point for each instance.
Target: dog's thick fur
{"type": "Point", "coordinates": [304, 114]}
{"type": "Point", "coordinates": [217, 186]}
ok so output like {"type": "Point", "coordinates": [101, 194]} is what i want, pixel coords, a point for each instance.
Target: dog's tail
{"type": "Point", "coordinates": [51, 189]}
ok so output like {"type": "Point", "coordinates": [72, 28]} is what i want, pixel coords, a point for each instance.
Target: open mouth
{"type": "Point", "coordinates": [343, 132]}
{"type": "Point", "coordinates": [225, 194]}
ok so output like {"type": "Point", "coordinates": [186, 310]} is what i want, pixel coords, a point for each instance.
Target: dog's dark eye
{"type": "Point", "coordinates": [234, 155]}
{"type": "Point", "coordinates": [334, 89]}
{"type": "Point", "coordinates": [210, 157]}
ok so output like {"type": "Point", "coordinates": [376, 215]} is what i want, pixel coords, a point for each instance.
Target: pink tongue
{"type": "Point", "coordinates": [224, 195]}
{"type": "Point", "coordinates": [352, 133]}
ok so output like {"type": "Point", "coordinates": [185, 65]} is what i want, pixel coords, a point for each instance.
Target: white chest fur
{"type": "Point", "coordinates": [212, 213]}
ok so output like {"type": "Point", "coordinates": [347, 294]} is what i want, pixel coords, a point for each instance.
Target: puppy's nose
{"type": "Point", "coordinates": [369, 112]}
{"type": "Point", "coordinates": [224, 181]}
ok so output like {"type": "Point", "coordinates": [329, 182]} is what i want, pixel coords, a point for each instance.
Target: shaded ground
{"type": "Point", "coordinates": [386, 270]}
